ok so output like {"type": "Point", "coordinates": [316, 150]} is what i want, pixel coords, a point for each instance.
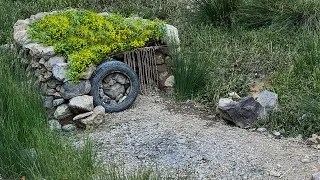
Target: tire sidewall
{"type": "Point", "coordinates": [106, 69]}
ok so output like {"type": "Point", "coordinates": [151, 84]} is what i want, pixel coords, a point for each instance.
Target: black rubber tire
{"type": "Point", "coordinates": [106, 69]}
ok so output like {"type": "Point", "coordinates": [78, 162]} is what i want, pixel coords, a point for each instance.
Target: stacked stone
{"type": "Point", "coordinates": [64, 99]}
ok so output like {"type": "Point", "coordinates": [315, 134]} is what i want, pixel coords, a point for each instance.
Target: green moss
{"type": "Point", "coordinates": [86, 37]}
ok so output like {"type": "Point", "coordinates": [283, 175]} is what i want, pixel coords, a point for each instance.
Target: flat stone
{"type": "Point", "coordinates": [38, 16]}
{"type": "Point", "coordinates": [63, 111]}
{"type": "Point", "coordinates": [261, 130]}
{"type": "Point", "coordinates": [97, 117]}
{"type": "Point", "coordinates": [69, 127]}
{"type": "Point", "coordinates": [81, 104]}
{"type": "Point", "coordinates": [54, 61]}
{"type": "Point", "coordinates": [40, 51]}
{"type": "Point", "coordinates": [59, 71]}
{"type": "Point", "coordinates": [48, 103]}
{"type": "Point", "coordinates": [70, 90]}
{"type": "Point", "coordinates": [54, 125]}
{"type": "Point", "coordinates": [268, 100]}
{"type": "Point", "coordinates": [81, 116]}
{"type": "Point", "coordinates": [58, 102]}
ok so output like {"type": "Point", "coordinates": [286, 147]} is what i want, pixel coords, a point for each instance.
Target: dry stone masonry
{"type": "Point", "coordinates": [68, 101]}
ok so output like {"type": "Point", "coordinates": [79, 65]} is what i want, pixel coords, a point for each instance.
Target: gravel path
{"type": "Point", "coordinates": [150, 134]}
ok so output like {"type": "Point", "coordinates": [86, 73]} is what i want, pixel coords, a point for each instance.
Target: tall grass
{"type": "Point", "coordinates": [28, 148]}
{"type": "Point", "coordinates": [216, 12]}
{"type": "Point", "coordinates": [284, 14]}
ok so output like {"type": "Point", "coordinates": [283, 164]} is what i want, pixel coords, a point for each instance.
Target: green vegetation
{"type": "Point", "coordinates": [86, 38]}
{"type": "Point", "coordinates": [28, 148]}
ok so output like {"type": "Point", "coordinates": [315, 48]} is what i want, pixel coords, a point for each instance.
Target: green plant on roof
{"type": "Point", "coordinates": [85, 37]}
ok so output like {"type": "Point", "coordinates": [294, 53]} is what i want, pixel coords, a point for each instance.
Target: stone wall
{"type": "Point", "coordinates": [65, 100]}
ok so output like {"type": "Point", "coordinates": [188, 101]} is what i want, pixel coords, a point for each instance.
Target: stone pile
{"type": "Point", "coordinates": [68, 101]}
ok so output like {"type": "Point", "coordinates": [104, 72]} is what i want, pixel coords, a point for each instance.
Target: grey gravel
{"type": "Point", "coordinates": [148, 134]}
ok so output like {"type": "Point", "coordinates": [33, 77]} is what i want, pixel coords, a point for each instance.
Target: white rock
{"type": "Point", "coordinates": [38, 16]}
{"type": "Point", "coordinates": [172, 36]}
{"type": "Point", "coordinates": [20, 25]}
{"type": "Point", "coordinates": [169, 82]}
{"type": "Point", "coordinates": [81, 116]}
{"type": "Point", "coordinates": [261, 130]}
{"type": "Point", "coordinates": [224, 102]}
{"type": "Point", "coordinates": [59, 71]}
{"type": "Point", "coordinates": [53, 61]}
{"type": "Point", "coordinates": [21, 37]}
{"type": "Point", "coordinates": [81, 104]}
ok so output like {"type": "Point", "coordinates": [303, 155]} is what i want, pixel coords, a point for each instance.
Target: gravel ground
{"type": "Point", "coordinates": [195, 146]}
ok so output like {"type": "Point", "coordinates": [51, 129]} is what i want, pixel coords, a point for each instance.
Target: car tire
{"type": "Point", "coordinates": [108, 68]}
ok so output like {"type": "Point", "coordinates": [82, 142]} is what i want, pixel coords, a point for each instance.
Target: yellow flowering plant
{"type": "Point", "coordinates": [85, 37]}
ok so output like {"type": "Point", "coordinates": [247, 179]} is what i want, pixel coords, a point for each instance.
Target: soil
{"type": "Point", "coordinates": [187, 141]}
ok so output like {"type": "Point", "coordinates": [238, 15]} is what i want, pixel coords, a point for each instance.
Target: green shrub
{"type": "Point", "coordinates": [285, 14]}
{"type": "Point", "coordinates": [86, 37]}
{"type": "Point", "coordinates": [217, 12]}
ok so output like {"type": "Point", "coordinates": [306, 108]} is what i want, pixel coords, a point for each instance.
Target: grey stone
{"type": "Point", "coordinates": [88, 72]}
{"type": "Point", "coordinates": [54, 61]}
{"type": "Point", "coordinates": [97, 117]}
{"type": "Point", "coordinates": [115, 91]}
{"type": "Point", "coordinates": [21, 37]}
{"type": "Point", "coordinates": [172, 37]}
{"type": "Point", "coordinates": [81, 116]}
{"type": "Point", "coordinates": [268, 100]}
{"type": "Point", "coordinates": [160, 58]}
{"type": "Point", "coordinates": [38, 16]}
{"type": "Point", "coordinates": [121, 79]}
{"type": "Point", "coordinates": [54, 125]}
{"type": "Point", "coordinates": [39, 51]}
{"type": "Point", "coordinates": [169, 82]}
{"type": "Point", "coordinates": [70, 90]}
{"type": "Point", "coordinates": [58, 102]}
{"type": "Point", "coordinates": [48, 102]}
{"type": "Point", "coordinates": [42, 61]}
{"type": "Point", "coordinates": [63, 111]}
{"type": "Point", "coordinates": [59, 71]}
{"type": "Point", "coordinates": [47, 75]}
{"type": "Point", "coordinates": [81, 104]}
{"type": "Point", "coordinates": [50, 92]}
{"type": "Point", "coordinates": [20, 25]}
{"type": "Point", "coordinates": [69, 127]}
{"type": "Point", "coordinates": [316, 176]}
{"type": "Point", "coordinates": [52, 83]}
{"type": "Point", "coordinates": [277, 135]}
{"type": "Point", "coordinates": [261, 130]}
{"type": "Point", "coordinates": [242, 113]}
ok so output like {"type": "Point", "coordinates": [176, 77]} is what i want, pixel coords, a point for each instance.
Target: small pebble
{"type": "Point", "coordinates": [305, 160]}
{"type": "Point", "coordinates": [69, 127]}
{"type": "Point", "coordinates": [277, 135]}
{"type": "Point", "coordinates": [260, 130]}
